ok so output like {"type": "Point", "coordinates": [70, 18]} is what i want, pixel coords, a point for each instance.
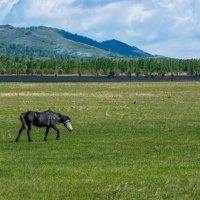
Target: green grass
{"type": "Point", "coordinates": [130, 141]}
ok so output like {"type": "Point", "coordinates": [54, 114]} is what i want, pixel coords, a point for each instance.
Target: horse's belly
{"type": "Point", "coordinates": [41, 121]}
{"type": "Point", "coordinates": [39, 125]}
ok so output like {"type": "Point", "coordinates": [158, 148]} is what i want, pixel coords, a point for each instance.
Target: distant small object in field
{"type": "Point", "coordinates": [47, 119]}
{"type": "Point", "coordinates": [129, 74]}
{"type": "Point", "coordinates": [111, 74]}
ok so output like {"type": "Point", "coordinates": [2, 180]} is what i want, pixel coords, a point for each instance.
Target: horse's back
{"type": "Point", "coordinates": [40, 119]}
{"type": "Point", "coordinates": [45, 118]}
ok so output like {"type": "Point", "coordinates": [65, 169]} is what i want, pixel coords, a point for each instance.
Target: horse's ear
{"type": "Point", "coordinates": [59, 115]}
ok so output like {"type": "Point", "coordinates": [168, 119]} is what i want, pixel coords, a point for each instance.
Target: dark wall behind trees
{"type": "Point", "coordinates": [22, 64]}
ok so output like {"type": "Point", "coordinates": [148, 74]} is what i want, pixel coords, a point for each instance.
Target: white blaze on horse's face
{"type": "Point", "coordinates": [68, 125]}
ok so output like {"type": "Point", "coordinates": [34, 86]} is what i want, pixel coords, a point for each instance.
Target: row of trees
{"type": "Point", "coordinates": [23, 64]}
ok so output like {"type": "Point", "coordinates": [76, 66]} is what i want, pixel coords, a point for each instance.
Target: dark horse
{"type": "Point", "coordinates": [47, 119]}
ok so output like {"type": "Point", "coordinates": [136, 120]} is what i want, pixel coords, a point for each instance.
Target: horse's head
{"type": "Point", "coordinates": [68, 124]}
{"type": "Point", "coordinates": [66, 121]}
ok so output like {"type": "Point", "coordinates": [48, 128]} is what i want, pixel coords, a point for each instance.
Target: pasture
{"type": "Point", "coordinates": [130, 141]}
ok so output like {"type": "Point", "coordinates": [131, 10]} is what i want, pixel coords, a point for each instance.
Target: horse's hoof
{"type": "Point", "coordinates": [45, 139]}
{"type": "Point", "coordinates": [16, 140]}
{"type": "Point", "coordinates": [30, 140]}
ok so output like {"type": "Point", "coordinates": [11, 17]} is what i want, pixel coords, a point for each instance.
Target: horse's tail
{"type": "Point", "coordinates": [23, 121]}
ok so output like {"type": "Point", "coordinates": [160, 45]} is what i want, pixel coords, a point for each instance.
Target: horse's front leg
{"type": "Point", "coordinates": [57, 130]}
{"type": "Point", "coordinates": [46, 133]}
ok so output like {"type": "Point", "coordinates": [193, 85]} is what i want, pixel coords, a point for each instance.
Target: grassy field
{"type": "Point", "coordinates": [130, 141]}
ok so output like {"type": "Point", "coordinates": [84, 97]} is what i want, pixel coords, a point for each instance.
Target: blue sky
{"type": "Point", "coordinates": [165, 27]}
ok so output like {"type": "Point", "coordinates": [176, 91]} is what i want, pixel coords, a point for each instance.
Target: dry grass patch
{"type": "Point", "coordinates": [43, 94]}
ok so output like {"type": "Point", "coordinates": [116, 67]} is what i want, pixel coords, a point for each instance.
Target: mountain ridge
{"type": "Point", "coordinates": [46, 42]}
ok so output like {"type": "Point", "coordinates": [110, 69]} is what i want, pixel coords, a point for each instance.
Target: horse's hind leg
{"type": "Point", "coordinates": [20, 131]}
{"type": "Point", "coordinates": [28, 133]}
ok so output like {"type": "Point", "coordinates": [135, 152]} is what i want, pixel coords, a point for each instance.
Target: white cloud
{"type": "Point", "coordinates": [6, 6]}
{"type": "Point", "coordinates": [137, 13]}
{"type": "Point", "coordinates": [175, 48]}
{"type": "Point", "coordinates": [49, 9]}
{"type": "Point", "coordinates": [169, 4]}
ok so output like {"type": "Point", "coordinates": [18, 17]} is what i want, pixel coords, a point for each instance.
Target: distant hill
{"type": "Point", "coordinates": [124, 49]}
{"type": "Point", "coordinates": [44, 43]}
